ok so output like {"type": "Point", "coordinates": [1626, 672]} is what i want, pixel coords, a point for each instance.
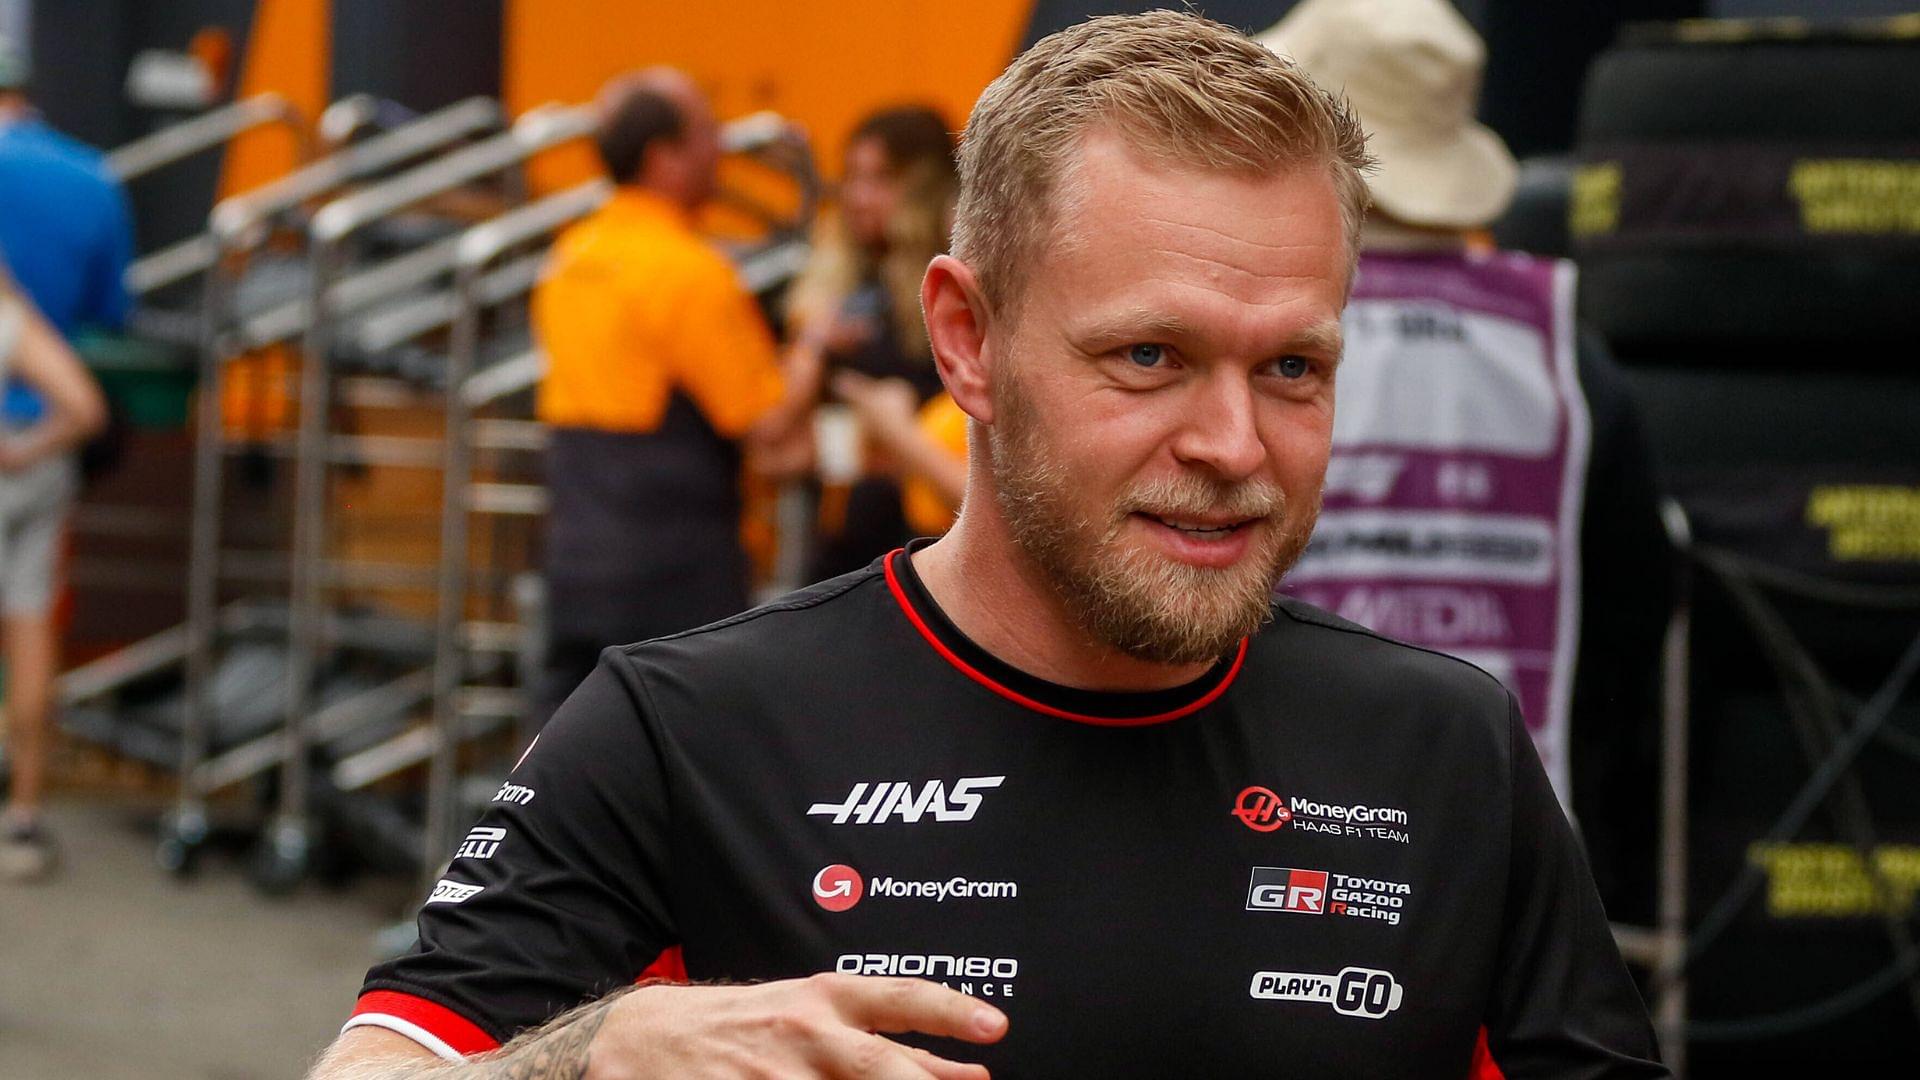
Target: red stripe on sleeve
{"type": "Point", "coordinates": [670, 965]}
{"type": "Point", "coordinates": [1484, 1067]}
{"type": "Point", "coordinates": [442, 1023]}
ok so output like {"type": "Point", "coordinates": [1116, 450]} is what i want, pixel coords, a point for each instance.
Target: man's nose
{"type": "Point", "coordinates": [1218, 429]}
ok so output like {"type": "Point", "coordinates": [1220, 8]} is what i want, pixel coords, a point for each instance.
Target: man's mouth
{"type": "Point", "coordinates": [1200, 528]}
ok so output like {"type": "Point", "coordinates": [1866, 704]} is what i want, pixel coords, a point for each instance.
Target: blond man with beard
{"type": "Point", "coordinates": [1064, 793]}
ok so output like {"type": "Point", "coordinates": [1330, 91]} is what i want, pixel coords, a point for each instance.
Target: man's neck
{"type": "Point", "coordinates": [995, 595]}
{"type": "Point", "coordinates": [671, 194]}
{"type": "Point", "coordinates": [14, 109]}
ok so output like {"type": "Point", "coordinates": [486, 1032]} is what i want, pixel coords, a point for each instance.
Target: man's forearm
{"type": "Point", "coordinates": [556, 1051]}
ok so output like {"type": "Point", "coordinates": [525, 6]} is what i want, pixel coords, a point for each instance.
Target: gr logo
{"type": "Point", "coordinates": [1364, 992]}
{"type": "Point", "coordinates": [1280, 888]}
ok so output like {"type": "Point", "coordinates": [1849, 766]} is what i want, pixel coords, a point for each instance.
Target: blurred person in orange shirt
{"type": "Point", "coordinates": [926, 442]}
{"type": "Point", "coordinates": [38, 479]}
{"type": "Point", "coordinates": [855, 310]}
{"type": "Point", "coordinates": [661, 376]}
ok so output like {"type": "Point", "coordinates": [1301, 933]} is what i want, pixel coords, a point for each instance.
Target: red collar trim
{"type": "Point", "coordinates": [971, 672]}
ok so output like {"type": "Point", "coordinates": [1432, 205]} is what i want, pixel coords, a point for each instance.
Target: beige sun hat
{"type": "Point", "coordinates": [1412, 70]}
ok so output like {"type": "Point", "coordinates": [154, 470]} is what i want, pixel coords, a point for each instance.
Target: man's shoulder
{"type": "Point", "coordinates": [801, 628]}
{"type": "Point", "coordinates": [646, 240]}
{"type": "Point", "coordinates": [1343, 653]}
{"type": "Point", "coordinates": [44, 148]}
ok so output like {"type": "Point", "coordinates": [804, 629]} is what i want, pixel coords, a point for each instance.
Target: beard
{"type": "Point", "coordinates": [1147, 605]}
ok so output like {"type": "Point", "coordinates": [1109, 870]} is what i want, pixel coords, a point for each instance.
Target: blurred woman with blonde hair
{"type": "Point", "coordinates": [857, 306]}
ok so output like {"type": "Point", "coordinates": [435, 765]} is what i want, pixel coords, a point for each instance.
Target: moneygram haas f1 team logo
{"type": "Point", "coordinates": [1259, 809]}
{"type": "Point", "coordinates": [1262, 810]}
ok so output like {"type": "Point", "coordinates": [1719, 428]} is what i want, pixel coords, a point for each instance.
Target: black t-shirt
{"type": "Point", "coordinates": [1331, 855]}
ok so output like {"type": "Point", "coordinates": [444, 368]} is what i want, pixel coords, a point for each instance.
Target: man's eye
{"type": "Point", "coordinates": [1294, 367]}
{"type": "Point", "coordinates": [1147, 355]}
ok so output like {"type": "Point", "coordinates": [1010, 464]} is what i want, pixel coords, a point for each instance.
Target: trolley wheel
{"type": "Point", "coordinates": [280, 862]}
{"type": "Point", "coordinates": [178, 856]}
{"type": "Point", "coordinates": [183, 837]}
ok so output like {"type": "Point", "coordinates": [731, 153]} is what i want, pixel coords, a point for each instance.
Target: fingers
{"type": "Point", "coordinates": [942, 1069]}
{"type": "Point", "coordinates": [852, 385]}
{"type": "Point", "coordinates": [864, 1056]}
{"type": "Point", "coordinates": [876, 1003]}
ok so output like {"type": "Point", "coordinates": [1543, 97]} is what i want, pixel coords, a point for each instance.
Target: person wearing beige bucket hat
{"type": "Point", "coordinates": [1469, 402]}
{"type": "Point", "coordinates": [1411, 69]}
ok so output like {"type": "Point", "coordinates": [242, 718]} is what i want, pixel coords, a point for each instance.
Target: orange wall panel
{"type": "Point", "coordinates": [288, 52]}
{"type": "Point", "coordinates": [825, 63]}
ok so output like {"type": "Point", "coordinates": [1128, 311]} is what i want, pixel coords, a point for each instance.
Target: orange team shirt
{"type": "Point", "coordinates": [943, 421]}
{"type": "Point", "coordinates": [634, 305]}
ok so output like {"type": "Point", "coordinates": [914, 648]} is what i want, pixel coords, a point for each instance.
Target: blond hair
{"type": "Point", "coordinates": [1181, 88]}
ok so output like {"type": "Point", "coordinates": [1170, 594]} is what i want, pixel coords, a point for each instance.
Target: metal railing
{"type": "Point", "coordinates": [333, 228]}
{"type": "Point", "coordinates": [215, 128]}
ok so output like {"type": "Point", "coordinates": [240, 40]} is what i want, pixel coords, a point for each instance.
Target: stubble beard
{"type": "Point", "coordinates": [1145, 604]}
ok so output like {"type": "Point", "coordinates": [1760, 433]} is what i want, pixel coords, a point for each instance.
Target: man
{"type": "Point", "coordinates": [658, 367]}
{"type": "Point", "coordinates": [1064, 793]}
{"type": "Point", "coordinates": [65, 236]}
{"type": "Point", "coordinates": [1507, 455]}
{"type": "Point", "coordinates": [66, 230]}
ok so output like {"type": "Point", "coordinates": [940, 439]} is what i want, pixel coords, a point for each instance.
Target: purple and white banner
{"type": "Point", "coordinates": [1452, 510]}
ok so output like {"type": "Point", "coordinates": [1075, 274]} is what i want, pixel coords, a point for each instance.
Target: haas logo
{"type": "Point", "coordinates": [1259, 809]}
{"type": "Point", "coordinates": [903, 800]}
{"type": "Point", "coordinates": [838, 887]}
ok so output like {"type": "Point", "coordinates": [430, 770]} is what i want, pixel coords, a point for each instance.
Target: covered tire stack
{"type": "Point", "coordinates": [1747, 217]}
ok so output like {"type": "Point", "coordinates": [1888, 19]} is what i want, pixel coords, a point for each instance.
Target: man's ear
{"type": "Point", "coordinates": [957, 319]}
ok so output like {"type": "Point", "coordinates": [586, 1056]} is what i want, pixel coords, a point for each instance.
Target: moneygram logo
{"type": "Point", "coordinates": [1261, 810]}
{"type": "Point", "coordinates": [838, 887]}
{"type": "Point", "coordinates": [1364, 992]}
{"type": "Point", "coordinates": [903, 800]}
{"type": "Point", "coordinates": [1319, 892]}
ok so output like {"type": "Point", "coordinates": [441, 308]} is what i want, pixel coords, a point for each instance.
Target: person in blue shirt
{"type": "Point", "coordinates": [65, 237]}
{"type": "Point", "coordinates": [66, 230]}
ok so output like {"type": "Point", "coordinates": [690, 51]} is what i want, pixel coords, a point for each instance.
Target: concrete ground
{"type": "Point", "coordinates": [115, 970]}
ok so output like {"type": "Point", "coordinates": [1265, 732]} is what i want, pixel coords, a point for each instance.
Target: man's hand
{"type": "Point", "coordinates": [828, 1027]}
{"type": "Point", "coordinates": [824, 1026]}
{"type": "Point", "coordinates": [888, 407]}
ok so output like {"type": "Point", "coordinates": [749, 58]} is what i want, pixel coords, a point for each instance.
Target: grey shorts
{"type": "Point", "coordinates": [33, 509]}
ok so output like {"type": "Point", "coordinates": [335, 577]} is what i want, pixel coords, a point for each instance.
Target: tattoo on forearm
{"type": "Point", "coordinates": [556, 1051]}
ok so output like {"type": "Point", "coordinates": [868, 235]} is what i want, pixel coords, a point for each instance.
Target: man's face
{"type": "Point", "coordinates": [1163, 402]}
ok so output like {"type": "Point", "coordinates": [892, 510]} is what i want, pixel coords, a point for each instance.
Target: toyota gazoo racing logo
{"type": "Point", "coordinates": [1365, 992]}
{"type": "Point", "coordinates": [1263, 810]}
{"type": "Point", "coordinates": [980, 976]}
{"type": "Point", "coordinates": [1320, 892]}
{"type": "Point", "coordinates": [905, 800]}
{"type": "Point", "coordinates": [1279, 888]}
{"type": "Point", "coordinates": [838, 887]}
